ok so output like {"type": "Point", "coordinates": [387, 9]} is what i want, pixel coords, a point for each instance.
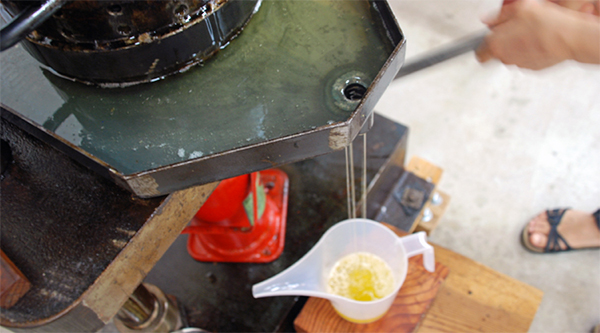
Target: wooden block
{"type": "Point", "coordinates": [475, 298]}
{"type": "Point", "coordinates": [423, 169]}
{"type": "Point", "coordinates": [437, 210]}
{"type": "Point", "coordinates": [13, 284]}
{"type": "Point", "coordinates": [409, 307]}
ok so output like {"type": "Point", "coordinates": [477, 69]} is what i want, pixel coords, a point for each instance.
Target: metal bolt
{"type": "Point", "coordinates": [436, 199]}
{"type": "Point", "coordinates": [427, 215]}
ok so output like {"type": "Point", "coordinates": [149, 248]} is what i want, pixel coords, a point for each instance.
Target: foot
{"type": "Point", "coordinates": [578, 228]}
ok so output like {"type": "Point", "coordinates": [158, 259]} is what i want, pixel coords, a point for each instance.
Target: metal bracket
{"type": "Point", "coordinates": [411, 199]}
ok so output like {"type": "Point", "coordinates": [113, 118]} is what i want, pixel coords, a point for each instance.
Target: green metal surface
{"type": "Point", "coordinates": [272, 81]}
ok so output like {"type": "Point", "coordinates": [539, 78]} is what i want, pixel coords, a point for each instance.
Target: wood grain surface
{"type": "Point", "coordinates": [476, 298]}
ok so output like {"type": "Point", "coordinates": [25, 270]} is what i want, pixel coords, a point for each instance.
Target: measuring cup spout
{"type": "Point", "coordinates": [300, 279]}
{"type": "Point", "coordinates": [417, 244]}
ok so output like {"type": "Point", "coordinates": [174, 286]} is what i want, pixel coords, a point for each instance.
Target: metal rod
{"type": "Point", "coordinates": [348, 184]}
{"type": "Point", "coordinates": [364, 177]}
{"type": "Point", "coordinates": [449, 51]}
{"type": "Point", "coordinates": [26, 21]}
{"type": "Point", "coordinates": [138, 308]}
{"type": "Point", "coordinates": [352, 183]}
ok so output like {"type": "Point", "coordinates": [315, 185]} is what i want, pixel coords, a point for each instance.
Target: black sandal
{"type": "Point", "coordinates": [554, 238]}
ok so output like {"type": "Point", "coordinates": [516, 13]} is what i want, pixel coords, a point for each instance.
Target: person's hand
{"type": "Point", "coordinates": [536, 34]}
{"type": "Point", "coordinates": [582, 6]}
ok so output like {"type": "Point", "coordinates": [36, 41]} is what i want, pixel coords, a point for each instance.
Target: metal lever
{"type": "Point", "coordinates": [26, 21]}
{"type": "Point", "coordinates": [462, 46]}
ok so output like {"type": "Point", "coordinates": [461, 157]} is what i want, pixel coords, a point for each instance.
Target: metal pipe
{"type": "Point", "coordinates": [148, 309]}
{"type": "Point", "coordinates": [26, 21]}
{"type": "Point", "coordinates": [138, 308]}
{"type": "Point", "coordinates": [459, 47]}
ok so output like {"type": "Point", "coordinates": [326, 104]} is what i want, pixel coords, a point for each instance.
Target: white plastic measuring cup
{"type": "Point", "coordinates": [308, 276]}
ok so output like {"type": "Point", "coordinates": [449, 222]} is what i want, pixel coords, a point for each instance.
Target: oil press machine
{"type": "Point", "coordinates": [113, 137]}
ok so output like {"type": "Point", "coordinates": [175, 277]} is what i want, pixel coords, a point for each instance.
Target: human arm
{"type": "Point", "coordinates": [538, 34]}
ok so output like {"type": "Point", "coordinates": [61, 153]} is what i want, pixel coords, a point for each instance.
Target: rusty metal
{"type": "Point", "coordinates": [120, 43]}
{"type": "Point", "coordinates": [411, 199]}
{"type": "Point", "coordinates": [6, 157]}
{"type": "Point", "coordinates": [403, 198]}
{"type": "Point", "coordinates": [78, 237]}
{"type": "Point", "coordinates": [85, 23]}
{"type": "Point", "coordinates": [62, 224]}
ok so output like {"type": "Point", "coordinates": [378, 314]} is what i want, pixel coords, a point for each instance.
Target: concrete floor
{"type": "Point", "coordinates": [512, 143]}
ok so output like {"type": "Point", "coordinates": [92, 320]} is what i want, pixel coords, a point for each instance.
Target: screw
{"type": "Point", "coordinates": [427, 215]}
{"type": "Point", "coordinates": [436, 199]}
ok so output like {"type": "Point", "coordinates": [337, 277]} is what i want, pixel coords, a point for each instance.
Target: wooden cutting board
{"type": "Point", "coordinates": [409, 307]}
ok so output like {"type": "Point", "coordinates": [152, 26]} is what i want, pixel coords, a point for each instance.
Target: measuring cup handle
{"type": "Point", "coordinates": [417, 244]}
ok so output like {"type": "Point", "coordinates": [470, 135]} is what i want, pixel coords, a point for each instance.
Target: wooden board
{"type": "Point", "coordinates": [437, 211]}
{"type": "Point", "coordinates": [411, 304]}
{"type": "Point", "coordinates": [432, 173]}
{"type": "Point", "coordinates": [13, 284]}
{"type": "Point", "coordinates": [476, 298]}
{"type": "Point", "coordinates": [424, 169]}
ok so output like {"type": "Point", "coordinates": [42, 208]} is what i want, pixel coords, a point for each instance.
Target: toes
{"type": "Point", "coordinates": [534, 222]}
{"type": "Point", "coordinates": [539, 224]}
{"type": "Point", "coordinates": [542, 228]}
{"type": "Point", "coordinates": [538, 240]}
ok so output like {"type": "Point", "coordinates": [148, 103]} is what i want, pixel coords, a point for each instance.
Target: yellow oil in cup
{"type": "Point", "coordinates": [361, 276]}
{"type": "Point", "coordinates": [359, 265]}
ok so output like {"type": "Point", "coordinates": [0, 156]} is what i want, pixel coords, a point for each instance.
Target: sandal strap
{"type": "Point", "coordinates": [554, 238]}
